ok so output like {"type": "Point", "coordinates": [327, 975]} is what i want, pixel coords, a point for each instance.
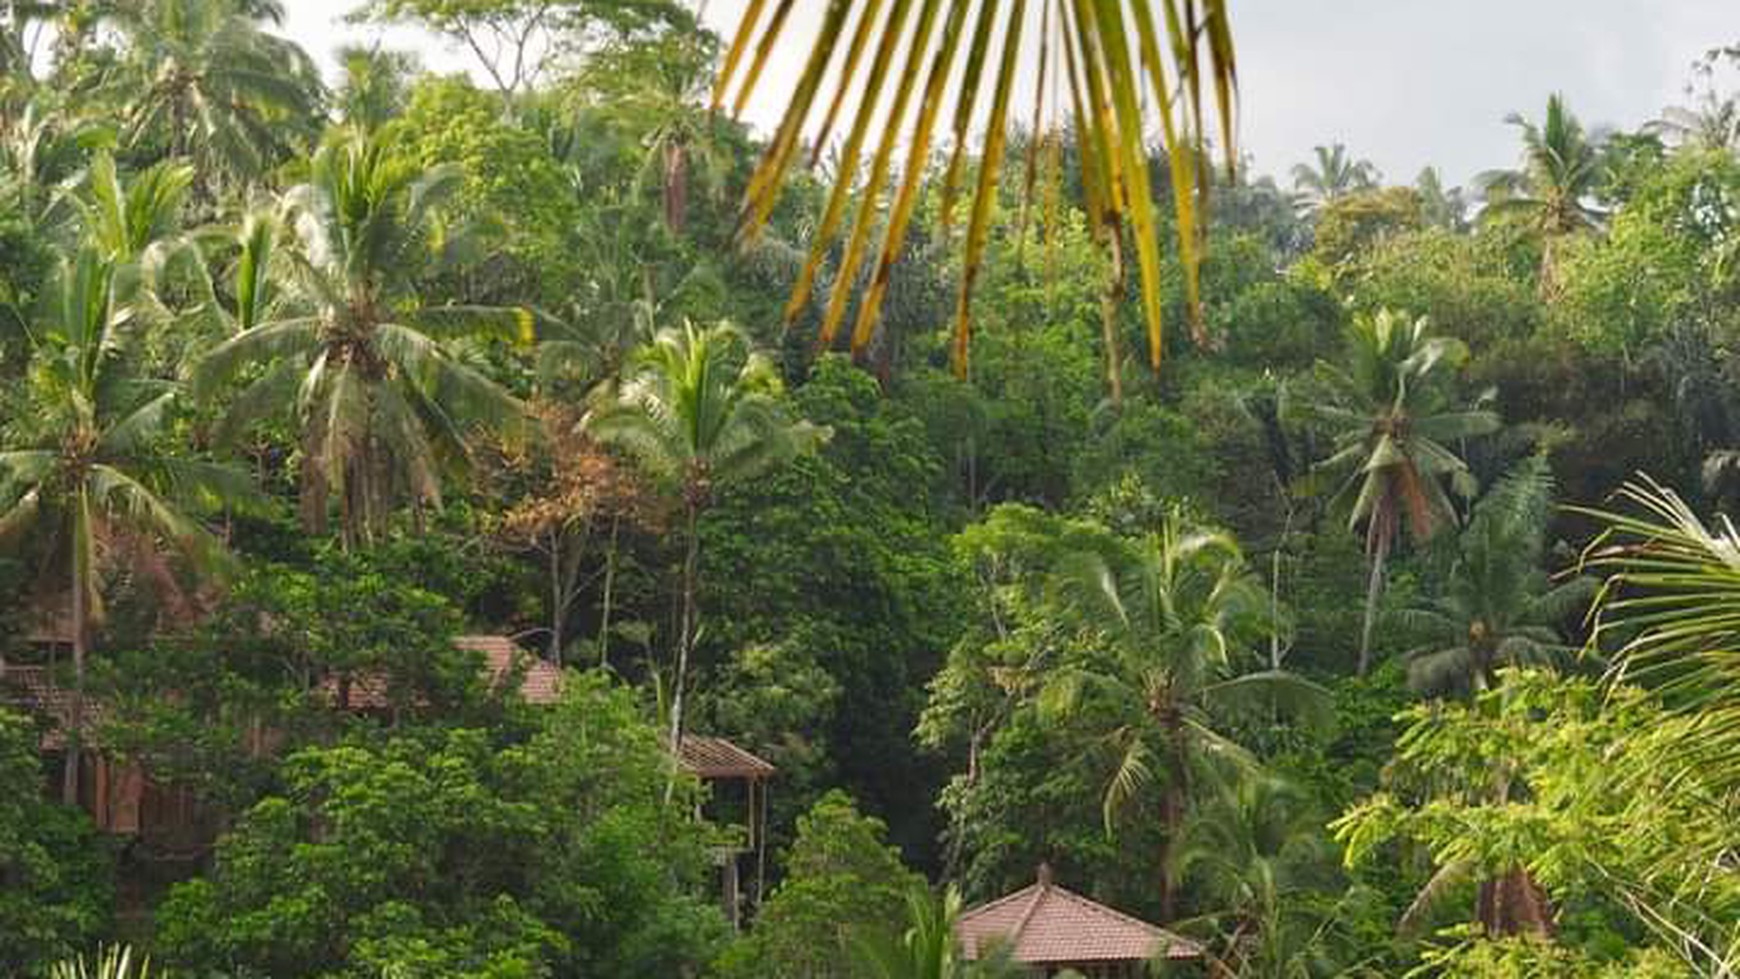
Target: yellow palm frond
{"type": "Point", "coordinates": [1132, 70]}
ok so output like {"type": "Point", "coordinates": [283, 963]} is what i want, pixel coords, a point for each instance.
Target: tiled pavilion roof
{"type": "Point", "coordinates": [541, 684]}
{"type": "Point", "coordinates": [714, 758]}
{"type": "Point", "coordinates": [1044, 924]}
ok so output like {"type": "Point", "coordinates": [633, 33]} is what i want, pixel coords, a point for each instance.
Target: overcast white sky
{"type": "Point", "coordinates": [1402, 82]}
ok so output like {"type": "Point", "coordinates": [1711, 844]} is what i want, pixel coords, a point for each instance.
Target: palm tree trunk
{"type": "Point", "coordinates": [691, 572]}
{"type": "Point", "coordinates": [74, 734]}
{"type": "Point", "coordinates": [1373, 589]}
{"type": "Point", "coordinates": [609, 594]}
{"type": "Point", "coordinates": [1514, 904]}
{"type": "Point", "coordinates": [1110, 299]}
{"type": "Point", "coordinates": [1173, 799]}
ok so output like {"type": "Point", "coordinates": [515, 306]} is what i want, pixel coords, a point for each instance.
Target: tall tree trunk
{"type": "Point", "coordinates": [558, 597]}
{"type": "Point", "coordinates": [609, 594]}
{"type": "Point", "coordinates": [1514, 904]}
{"type": "Point", "coordinates": [1373, 589]}
{"type": "Point", "coordinates": [74, 734]}
{"type": "Point", "coordinates": [691, 571]}
{"type": "Point", "coordinates": [1173, 800]}
{"type": "Point", "coordinates": [1111, 298]}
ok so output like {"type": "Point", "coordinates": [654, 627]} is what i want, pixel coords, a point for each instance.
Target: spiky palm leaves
{"type": "Point", "coordinates": [383, 408]}
{"type": "Point", "coordinates": [698, 411]}
{"type": "Point", "coordinates": [1713, 123]}
{"type": "Point", "coordinates": [1175, 614]}
{"type": "Point", "coordinates": [1669, 615]}
{"type": "Point", "coordinates": [86, 471]}
{"type": "Point", "coordinates": [1392, 426]}
{"type": "Point", "coordinates": [1254, 850]}
{"type": "Point", "coordinates": [927, 947]}
{"type": "Point", "coordinates": [1498, 607]}
{"type": "Point", "coordinates": [1332, 174]}
{"type": "Point", "coordinates": [205, 82]}
{"type": "Point", "coordinates": [1552, 194]}
{"type": "Point", "coordinates": [951, 65]}
{"type": "Point", "coordinates": [115, 962]}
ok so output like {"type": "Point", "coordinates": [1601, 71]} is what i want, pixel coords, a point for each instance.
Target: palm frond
{"type": "Point", "coordinates": [1133, 70]}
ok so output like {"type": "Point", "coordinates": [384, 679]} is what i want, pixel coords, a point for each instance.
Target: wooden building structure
{"type": "Point", "coordinates": [721, 764]}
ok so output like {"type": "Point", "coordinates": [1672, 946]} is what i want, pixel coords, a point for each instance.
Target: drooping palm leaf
{"type": "Point", "coordinates": [1128, 66]}
{"type": "Point", "coordinates": [1668, 614]}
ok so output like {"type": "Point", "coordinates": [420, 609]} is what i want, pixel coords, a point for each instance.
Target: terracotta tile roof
{"type": "Point", "coordinates": [541, 683]}
{"type": "Point", "coordinates": [709, 758]}
{"type": "Point", "coordinates": [1050, 925]}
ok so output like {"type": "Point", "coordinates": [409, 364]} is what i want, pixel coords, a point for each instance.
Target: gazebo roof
{"type": "Point", "coordinates": [540, 684]}
{"type": "Point", "coordinates": [716, 758]}
{"type": "Point", "coordinates": [1044, 924]}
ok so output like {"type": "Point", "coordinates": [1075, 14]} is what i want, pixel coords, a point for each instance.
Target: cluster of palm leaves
{"type": "Point", "coordinates": [946, 68]}
{"type": "Point", "coordinates": [1332, 175]}
{"type": "Point", "coordinates": [1394, 425]}
{"type": "Point", "coordinates": [1175, 614]}
{"type": "Point", "coordinates": [115, 962]}
{"type": "Point", "coordinates": [1498, 609]}
{"type": "Point", "coordinates": [698, 410]}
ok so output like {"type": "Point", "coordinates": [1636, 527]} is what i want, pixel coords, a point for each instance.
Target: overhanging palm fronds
{"type": "Point", "coordinates": [953, 64]}
{"type": "Point", "coordinates": [1670, 611]}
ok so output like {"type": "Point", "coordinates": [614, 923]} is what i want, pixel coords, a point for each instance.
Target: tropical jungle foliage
{"type": "Point", "coordinates": [1380, 622]}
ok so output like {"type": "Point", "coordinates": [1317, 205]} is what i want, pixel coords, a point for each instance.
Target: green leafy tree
{"type": "Point", "coordinates": [441, 854]}
{"type": "Point", "coordinates": [91, 469]}
{"type": "Point", "coordinates": [382, 408]}
{"type": "Point", "coordinates": [518, 42]}
{"type": "Point", "coordinates": [841, 880]}
{"type": "Point", "coordinates": [1392, 425]}
{"type": "Point", "coordinates": [1259, 854]}
{"type": "Point", "coordinates": [58, 893]}
{"type": "Point", "coordinates": [927, 946]}
{"type": "Point", "coordinates": [1518, 798]}
{"type": "Point", "coordinates": [660, 87]}
{"type": "Point", "coordinates": [699, 413]}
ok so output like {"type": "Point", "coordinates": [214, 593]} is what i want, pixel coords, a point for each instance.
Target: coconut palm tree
{"type": "Point", "coordinates": [86, 477]}
{"type": "Point", "coordinates": [1499, 608]}
{"type": "Point", "coordinates": [204, 81]}
{"type": "Point", "coordinates": [1160, 66]}
{"type": "Point", "coordinates": [375, 86]}
{"type": "Point", "coordinates": [1711, 123]}
{"type": "Point", "coordinates": [698, 412]}
{"type": "Point", "coordinates": [1392, 425]}
{"type": "Point", "coordinates": [1442, 207]}
{"type": "Point", "coordinates": [1553, 192]}
{"type": "Point", "coordinates": [1176, 616]}
{"type": "Point", "coordinates": [659, 89]}
{"type": "Point", "coordinates": [385, 410]}
{"type": "Point", "coordinates": [1254, 850]}
{"type": "Point", "coordinates": [1333, 173]}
